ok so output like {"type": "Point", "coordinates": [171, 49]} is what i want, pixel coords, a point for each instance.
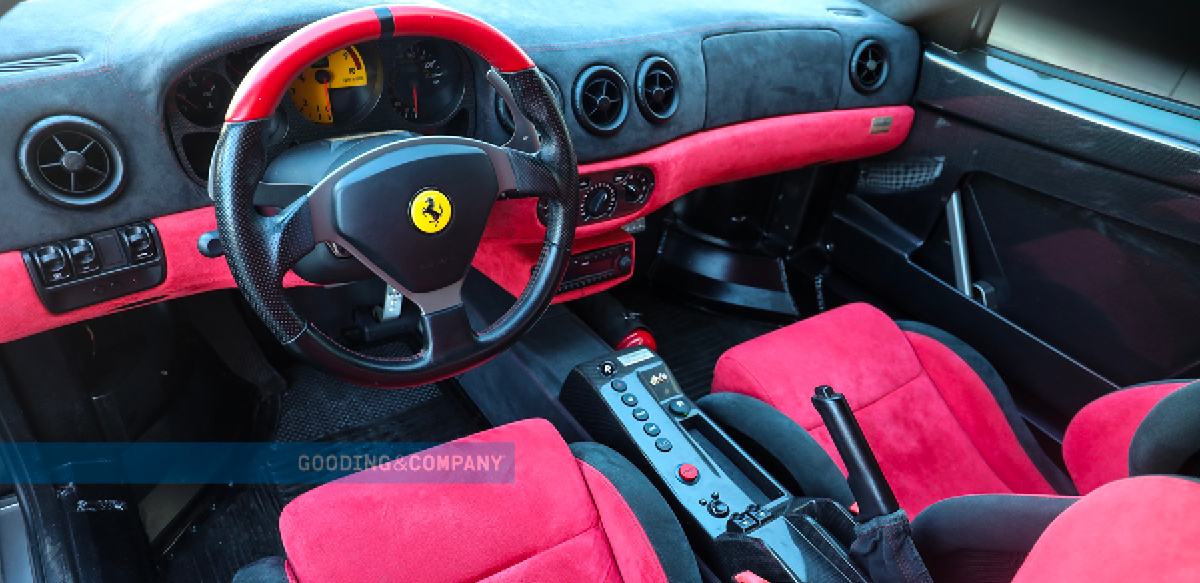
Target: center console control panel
{"type": "Point", "coordinates": [736, 515]}
{"type": "Point", "coordinates": [89, 269]}
{"type": "Point", "coordinates": [610, 194]}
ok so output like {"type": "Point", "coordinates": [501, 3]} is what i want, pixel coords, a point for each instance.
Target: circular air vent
{"type": "Point", "coordinates": [869, 66]}
{"type": "Point", "coordinates": [657, 89]}
{"type": "Point", "coordinates": [601, 100]}
{"type": "Point", "coordinates": [506, 118]}
{"type": "Point", "coordinates": [71, 161]}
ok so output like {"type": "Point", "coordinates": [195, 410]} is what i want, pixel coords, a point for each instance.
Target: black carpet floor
{"type": "Point", "coordinates": [242, 526]}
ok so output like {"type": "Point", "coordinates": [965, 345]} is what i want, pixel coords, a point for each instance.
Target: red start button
{"type": "Point", "coordinates": [688, 473]}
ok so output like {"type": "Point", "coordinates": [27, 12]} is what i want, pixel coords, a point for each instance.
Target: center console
{"type": "Point", "coordinates": [737, 516]}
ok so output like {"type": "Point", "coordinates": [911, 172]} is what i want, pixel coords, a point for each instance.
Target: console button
{"type": "Point", "coordinates": [83, 256]}
{"type": "Point", "coordinates": [52, 264]}
{"type": "Point", "coordinates": [629, 399]}
{"type": "Point", "coordinates": [140, 243]}
{"type": "Point", "coordinates": [718, 509]}
{"type": "Point", "coordinates": [651, 429]}
{"type": "Point", "coordinates": [663, 444]}
{"type": "Point", "coordinates": [679, 406]}
{"type": "Point", "coordinates": [619, 386]}
{"type": "Point", "coordinates": [744, 522]}
{"type": "Point", "coordinates": [607, 368]}
{"type": "Point", "coordinates": [688, 473]}
{"type": "Point", "coordinates": [641, 414]}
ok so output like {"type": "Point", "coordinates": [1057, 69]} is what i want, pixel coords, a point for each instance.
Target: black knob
{"type": "Point", "coordinates": [718, 509]}
{"type": "Point", "coordinates": [624, 264]}
{"type": "Point", "coordinates": [599, 202]}
{"type": "Point", "coordinates": [632, 193]}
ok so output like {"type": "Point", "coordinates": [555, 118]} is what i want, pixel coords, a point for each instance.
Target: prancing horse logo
{"type": "Point", "coordinates": [430, 211]}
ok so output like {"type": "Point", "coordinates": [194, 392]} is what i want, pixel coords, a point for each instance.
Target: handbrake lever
{"type": "Point", "coordinates": [870, 488]}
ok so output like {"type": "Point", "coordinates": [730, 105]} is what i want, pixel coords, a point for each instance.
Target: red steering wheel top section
{"type": "Point", "coordinates": [265, 84]}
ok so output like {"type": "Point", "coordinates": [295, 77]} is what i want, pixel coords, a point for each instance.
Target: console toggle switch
{"type": "Point", "coordinates": [718, 508]}
{"type": "Point", "coordinates": [140, 243]}
{"type": "Point", "coordinates": [629, 399]}
{"type": "Point", "coordinates": [652, 429]}
{"type": "Point", "coordinates": [619, 386]}
{"type": "Point", "coordinates": [52, 263]}
{"type": "Point", "coordinates": [757, 512]}
{"type": "Point", "coordinates": [83, 256]}
{"type": "Point", "coordinates": [641, 414]}
{"type": "Point", "coordinates": [663, 444]}
{"type": "Point", "coordinates": [688, 474]}
{"type": "Point", "coordinates": [679, 406]}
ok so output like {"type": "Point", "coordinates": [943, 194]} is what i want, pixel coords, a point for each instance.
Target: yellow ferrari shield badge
{"type": "Point", "coordinates": [430, 211]}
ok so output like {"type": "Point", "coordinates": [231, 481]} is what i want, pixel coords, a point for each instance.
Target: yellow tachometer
{"type": "Point", "coordinates": [336, 89]}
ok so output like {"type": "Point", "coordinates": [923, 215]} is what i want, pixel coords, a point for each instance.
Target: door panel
{"type": "Point", "coordinates": [1080, 209]}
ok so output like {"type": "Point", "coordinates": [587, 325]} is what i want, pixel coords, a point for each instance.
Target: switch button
{"type": "Point", "coordinates": [83, 256]}
{"type": "Point", "coordinates": [688, 474]}
{"type": "Point", "coordinates": [52, 263]}
{"type": "Point", "coordinates": [140, 243]}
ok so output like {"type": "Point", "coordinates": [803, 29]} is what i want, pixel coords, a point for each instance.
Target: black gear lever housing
{"type": "Point", "coordinates": [871, 490]}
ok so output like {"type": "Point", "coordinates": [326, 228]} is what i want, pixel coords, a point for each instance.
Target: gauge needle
{"type": "Point", "coordinates": [328, 104]}
{"type": "Point", "coordinates": [188, 101]}
{"type": "Point", "coordinates": [416, 110]}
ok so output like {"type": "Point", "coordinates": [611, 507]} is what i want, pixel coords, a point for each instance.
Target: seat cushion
{"type": "Point", "coordinates": [1096, 445]}
{"type": "Point", "coordinates": [1136, 529]}
{"type": "Point", "coordinates": [983, 538]}
{"type": "Point", "coordinates": [933, 423]}
{"type": "Point", "coordinates": [559, 519]}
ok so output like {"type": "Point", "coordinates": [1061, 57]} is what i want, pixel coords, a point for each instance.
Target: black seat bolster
{"type": "Point", "coordinates": [1167, 440]}
{"type": "Point", "coordinates": [268, 570]}
{"type": "Point", "coordinates": [1057, 478]}
{"type": "Point", "coordinates": [652, 511]}
{"type": "Point", "coordinates": [985, 537]}
{"type": "Point", "coordinates": [780, 445]}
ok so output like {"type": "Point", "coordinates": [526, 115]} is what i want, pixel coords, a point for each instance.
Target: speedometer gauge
{"type": "Point", "coordinates": [428, 84]}
{"type": "Point", "coordinates": [341, 88]}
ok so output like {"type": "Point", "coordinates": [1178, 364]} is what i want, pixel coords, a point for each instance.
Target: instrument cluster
{"type": "Point", "coordinates": [409, 84]}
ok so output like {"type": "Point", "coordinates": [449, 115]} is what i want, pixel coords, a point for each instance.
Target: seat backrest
{"type": "Point", "coordinates": [1136, 529]}
{"type": "Point", "coordinates": [557, 519]}
{"type": "Point", "coordinates": [934, 425]}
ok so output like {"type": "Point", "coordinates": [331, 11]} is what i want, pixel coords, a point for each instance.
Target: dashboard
{"type": "Point", "coordinates": [112, 110]}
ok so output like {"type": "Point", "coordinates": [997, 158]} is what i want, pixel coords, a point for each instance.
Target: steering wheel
{"type": "Point", "coordinates": [413, 211]}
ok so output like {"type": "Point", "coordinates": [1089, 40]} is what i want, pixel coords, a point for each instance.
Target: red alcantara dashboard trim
{"type": "Point", "coordinates": [712, 157]}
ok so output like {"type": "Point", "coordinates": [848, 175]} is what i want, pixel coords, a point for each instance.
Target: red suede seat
{"type": "Point", "coordinates": [1135, 529]}
{"type": "Point", "coordinates": [560, 520]}
{"type": "Point", "coordinates": [940, 426]}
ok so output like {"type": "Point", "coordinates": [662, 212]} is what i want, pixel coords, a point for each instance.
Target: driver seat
{"type": "Point", "coordinates": [561, 513]}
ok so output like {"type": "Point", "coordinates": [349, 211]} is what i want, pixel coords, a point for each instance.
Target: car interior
{"type": "Point", "coordinates": [686, 291]}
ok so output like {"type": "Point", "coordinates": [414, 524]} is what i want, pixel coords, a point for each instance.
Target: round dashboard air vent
{"type": "Point", "coordinates": [505, 116]}
{"type": "Point", "coordinates": [601, 100]}
{"type": "Point", "coordinates": [657, 89]}
{"type": "Point", "coordinates": [869, 66]}
{"type": "Point", "coordinates": [72, 161]}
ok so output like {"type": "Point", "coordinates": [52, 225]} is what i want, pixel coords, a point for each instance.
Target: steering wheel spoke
{"type": "Point", "coordinates": [289, 235]}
